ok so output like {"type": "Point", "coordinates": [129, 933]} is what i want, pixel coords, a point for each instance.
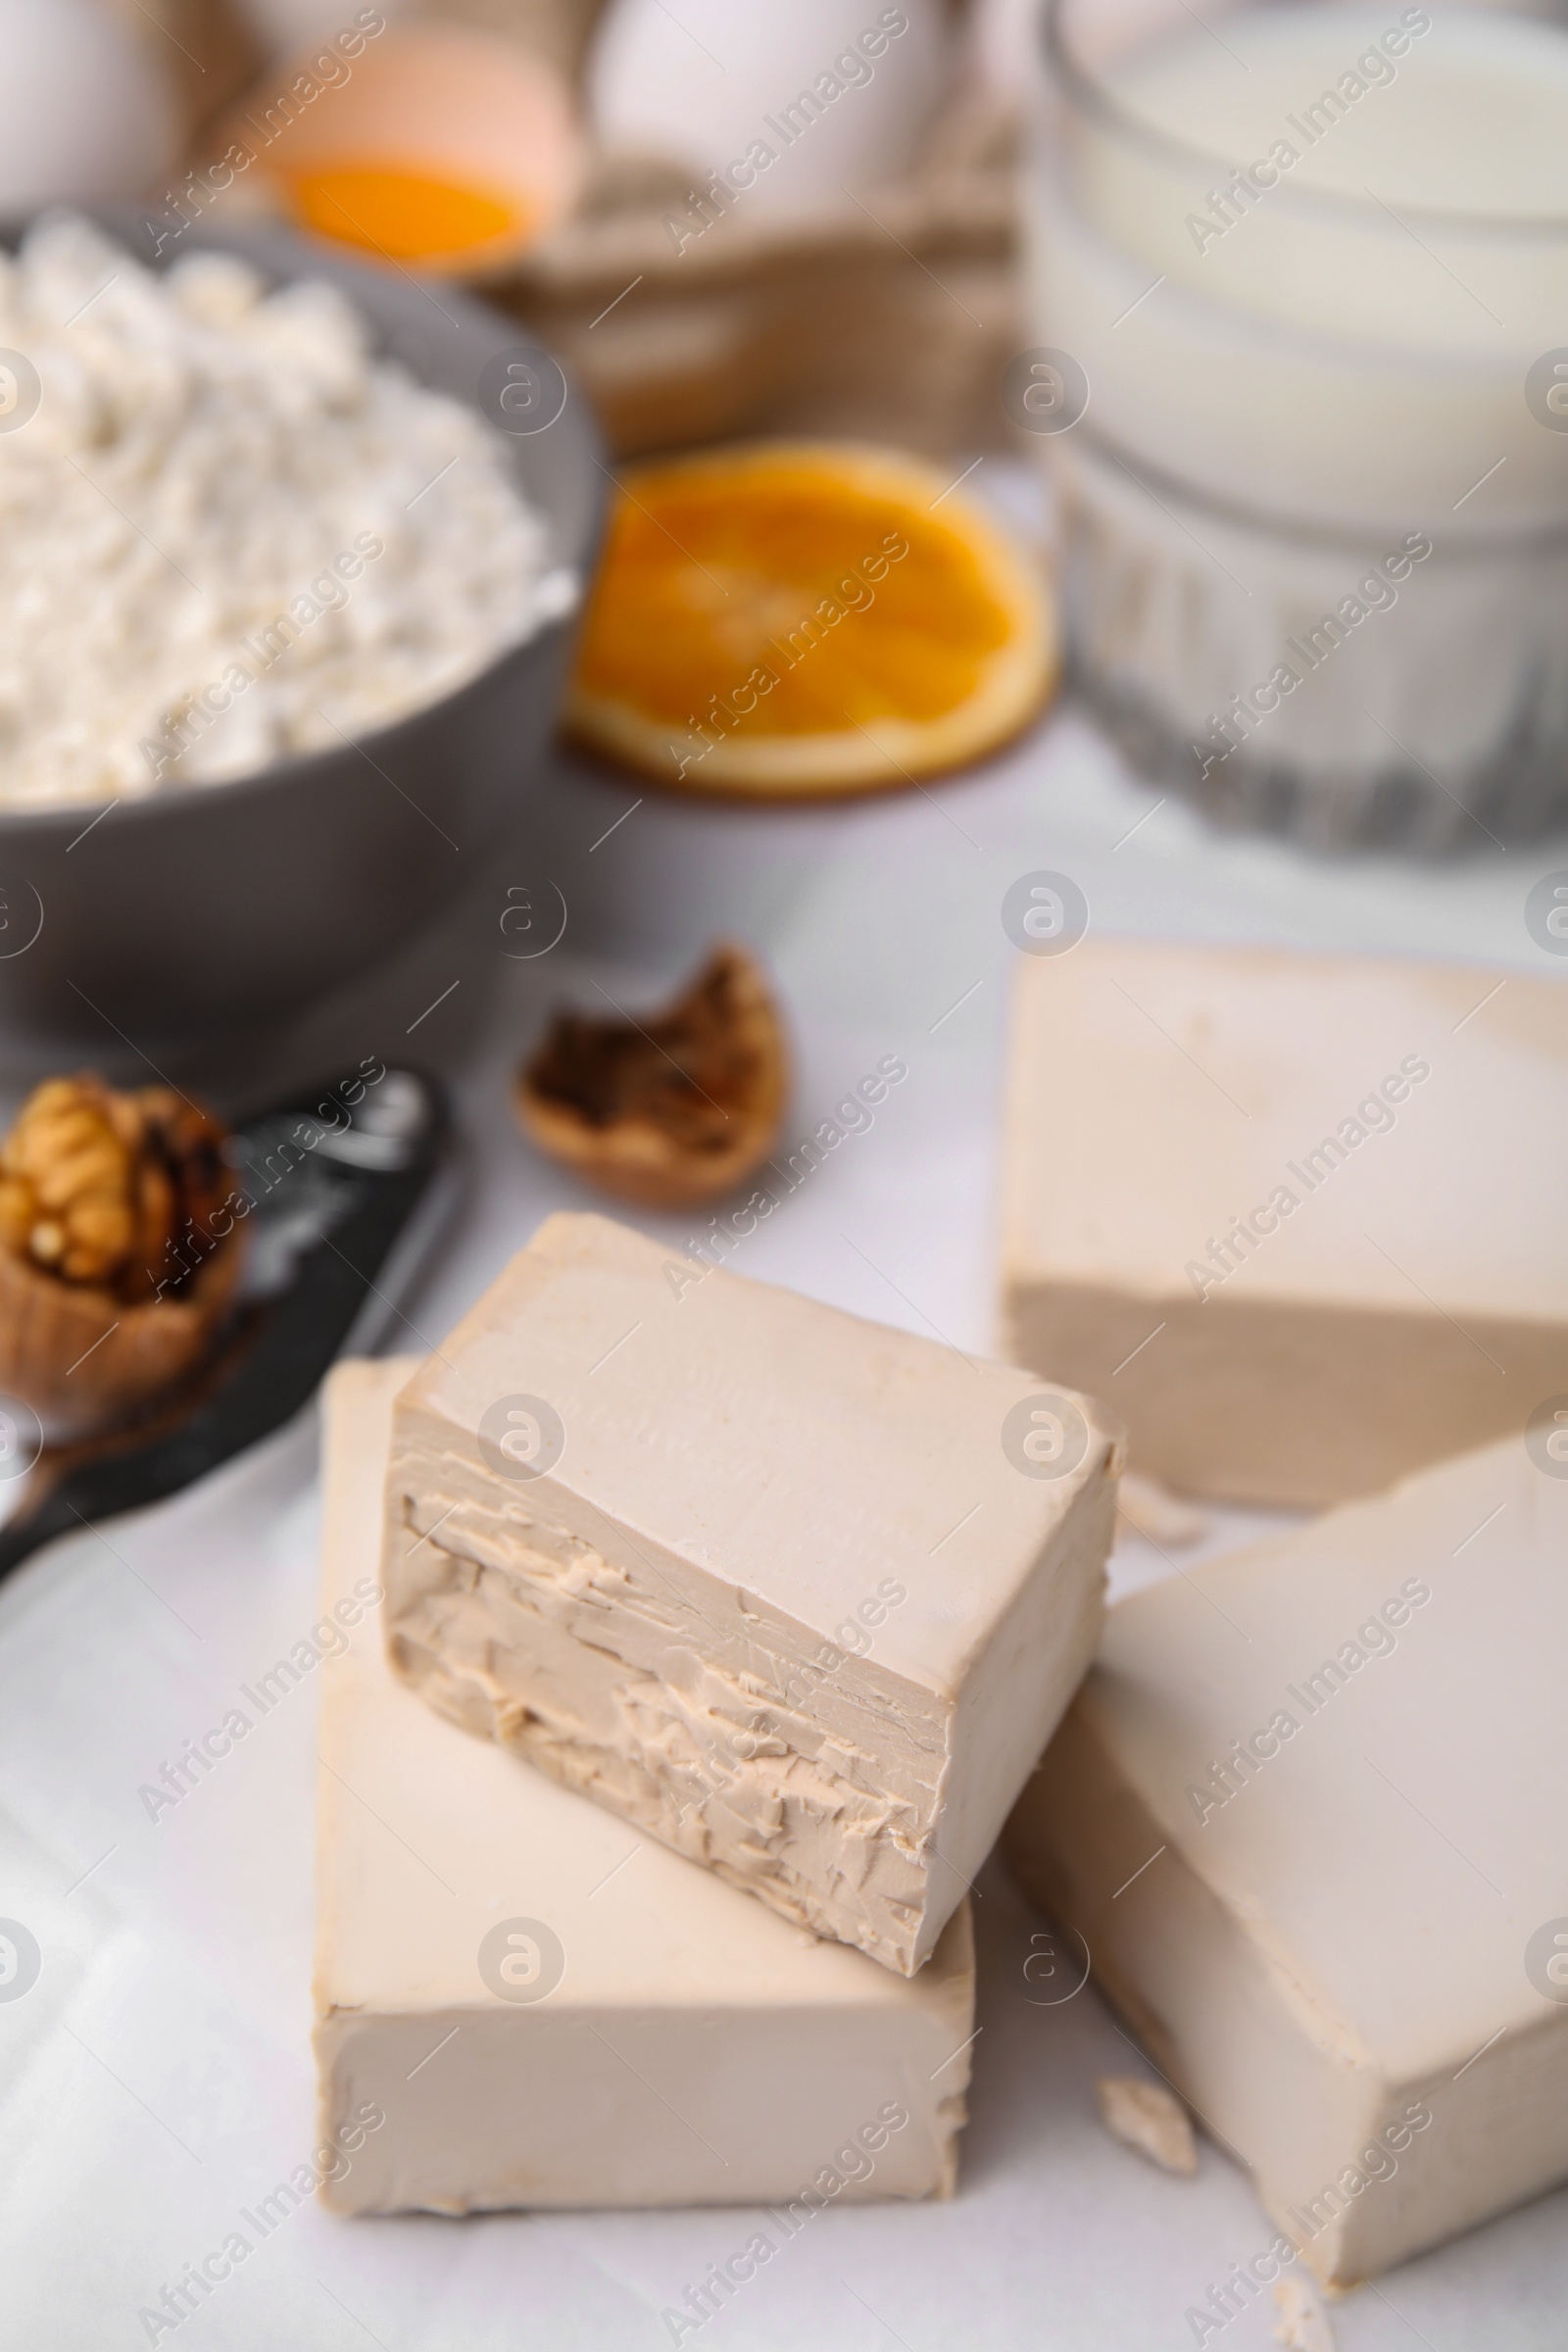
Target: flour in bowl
{"type": "Point", "coordinates": [231, 532]}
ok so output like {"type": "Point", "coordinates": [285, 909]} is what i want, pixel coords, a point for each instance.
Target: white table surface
{"type": "Point", "coordinates": [157, 2077]}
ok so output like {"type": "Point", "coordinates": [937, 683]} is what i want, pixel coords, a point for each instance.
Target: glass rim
{"type": "Point", "coordinates": [1094, 96]}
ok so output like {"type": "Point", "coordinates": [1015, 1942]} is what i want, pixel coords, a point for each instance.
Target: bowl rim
{"type": "Point", "coordinates": [268, 248]}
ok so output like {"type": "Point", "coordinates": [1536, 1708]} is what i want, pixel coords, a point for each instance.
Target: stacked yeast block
{"type": "Point", "coordinates": [1295, 1218]}
{"type": "Point", "coordinates": [519, 2004]}
{"type": "Point", "coordinates": [799, 1596]}
{"type": "Point", "coordinates": [1310, 1814]}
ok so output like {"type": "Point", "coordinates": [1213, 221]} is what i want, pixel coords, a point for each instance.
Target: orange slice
{"type": "Point", "coordinates": [805, 618]}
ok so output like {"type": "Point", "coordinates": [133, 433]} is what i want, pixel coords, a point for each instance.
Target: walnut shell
{"type": "Point", "coordinates": [110, 1284]}
{"type": "Point", "coordinates": [670, 1111]}
{"type": "Point", "coordinates": [86, 1360]}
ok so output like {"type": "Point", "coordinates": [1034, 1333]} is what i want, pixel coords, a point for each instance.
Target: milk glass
{"type": "Point", "coordinates": [1299, 274]}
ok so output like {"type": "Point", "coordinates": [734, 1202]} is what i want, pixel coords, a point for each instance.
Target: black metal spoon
{"type": "Point", "coordinates": [348, 1190]}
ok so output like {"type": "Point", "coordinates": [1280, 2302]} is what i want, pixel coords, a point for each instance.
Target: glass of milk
{"type": "Point", "coordinates": [1298, 273]}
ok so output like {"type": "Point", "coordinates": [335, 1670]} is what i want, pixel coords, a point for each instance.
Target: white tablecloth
{"type": "Point", "coordinates": [157, 2076]}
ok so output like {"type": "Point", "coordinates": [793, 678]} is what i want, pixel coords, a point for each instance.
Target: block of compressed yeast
{"type": "Point", "coordinates": [1294, 1217]}
{"type": "Point", "coordinates": [798, 1595]}
{"type": "Point", "coordinates": [518, 2002]}
{"type": "Point", "coordinates": [1309, 1813]}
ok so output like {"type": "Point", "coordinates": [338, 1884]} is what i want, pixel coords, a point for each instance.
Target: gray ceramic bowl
{"type": "Point", "coordinates": [207, 907]}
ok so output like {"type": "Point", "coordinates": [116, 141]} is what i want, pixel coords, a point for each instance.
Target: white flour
{"type": "Point", "coordinates": [221, 495]}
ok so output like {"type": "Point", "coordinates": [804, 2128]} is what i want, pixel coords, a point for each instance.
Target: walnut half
{"type": "Point", "coordinates": [113, 1276]}
{"type": "Point", "coordinates": [668, 1111]}
{"type": "Point", "coordinates": [97, 1186]}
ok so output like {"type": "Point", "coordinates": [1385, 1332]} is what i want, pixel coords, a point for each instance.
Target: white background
{"type": "Point", "coordinates": [158, 2078]}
